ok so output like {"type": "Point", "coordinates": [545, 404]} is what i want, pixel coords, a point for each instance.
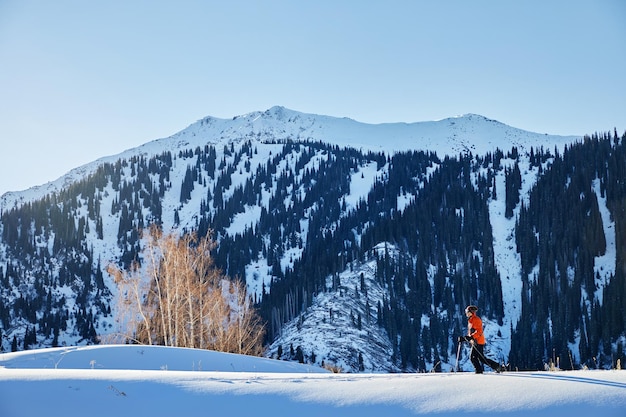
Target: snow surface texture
{"type": "Point", "coordinates": [134, 380]}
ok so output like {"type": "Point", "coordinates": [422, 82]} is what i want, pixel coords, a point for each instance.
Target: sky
{"type": "Point", "coordinates": [82, 80]}
{"type": "Point", "coordinates": [125, 380]}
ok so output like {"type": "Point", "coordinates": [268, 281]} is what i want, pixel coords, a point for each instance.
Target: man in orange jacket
{"type": "Point", "coordinates": [476, 338]}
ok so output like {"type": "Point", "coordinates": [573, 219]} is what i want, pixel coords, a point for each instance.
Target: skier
{"type": "Point", "coordinates": [476, 338]}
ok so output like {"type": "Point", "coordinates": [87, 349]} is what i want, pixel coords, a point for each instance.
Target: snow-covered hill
{"type": "Point", "coordinates": [133, 380]}
{"type": "Point", "coordinates": [340, 325]}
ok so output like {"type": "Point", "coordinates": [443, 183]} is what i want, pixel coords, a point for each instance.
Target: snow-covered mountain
{"type": "Point", "coordinates": [362, 243]}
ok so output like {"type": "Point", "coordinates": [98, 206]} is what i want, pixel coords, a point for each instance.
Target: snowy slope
{"type": "Point", "coordinates": [124, 381]}
{"type": "Point", "coordinates": [144, 357]}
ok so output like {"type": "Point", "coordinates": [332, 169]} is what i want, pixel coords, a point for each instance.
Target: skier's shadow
{"type": "Point", "coordinates": [561, 377]}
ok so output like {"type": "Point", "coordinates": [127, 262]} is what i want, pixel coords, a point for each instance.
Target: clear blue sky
{"type": "Point", "coordinates": [85, 79]}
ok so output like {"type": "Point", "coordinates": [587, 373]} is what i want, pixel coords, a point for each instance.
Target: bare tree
{"type": "Point", "coordinates": [180, 298]}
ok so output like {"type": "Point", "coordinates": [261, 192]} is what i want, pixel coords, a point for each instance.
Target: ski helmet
{"type": "Point", "coordinates": [471, 309]}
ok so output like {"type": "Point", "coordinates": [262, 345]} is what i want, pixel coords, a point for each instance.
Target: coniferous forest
{"type": "Point", "coordinates": [302, 227]}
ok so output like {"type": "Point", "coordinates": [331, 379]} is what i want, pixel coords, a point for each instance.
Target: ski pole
{"type": "Point", "coordinates": [458, 353]}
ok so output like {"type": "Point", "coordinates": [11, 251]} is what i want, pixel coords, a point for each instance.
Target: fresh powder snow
{"type": "Point", "coordinates": [136, 380]}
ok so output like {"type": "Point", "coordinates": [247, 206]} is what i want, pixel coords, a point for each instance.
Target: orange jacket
{"type": "Point", "coordinates": [476, 324]}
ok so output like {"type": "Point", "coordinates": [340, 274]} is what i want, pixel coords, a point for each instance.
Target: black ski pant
{"type": "Point", "coordinates": [478, 358]}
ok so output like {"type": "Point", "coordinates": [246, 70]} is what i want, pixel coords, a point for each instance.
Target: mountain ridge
{"type": "Point", "coordinates": [465, 132]}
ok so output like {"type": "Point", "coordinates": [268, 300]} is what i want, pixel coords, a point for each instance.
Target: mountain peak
{"type": "Point", "coordinates": [278, 111]}
{"type": "Point", "coordinates": [475, 116]}
{"type": "Point", "coordinates": [463, 133]}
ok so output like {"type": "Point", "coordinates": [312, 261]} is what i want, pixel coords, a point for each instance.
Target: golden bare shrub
{"type": "Point", "coordinates": [180, 298]}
